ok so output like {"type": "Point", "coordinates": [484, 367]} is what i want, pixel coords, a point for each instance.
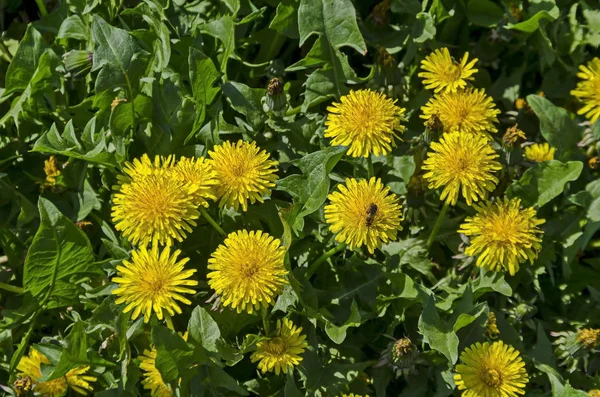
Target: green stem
{"type": "Point", "coordinates": [214, 224]}
{"type": "Point", "coordinates": [42, 6]}
{"type": "Point", "coordinates": [438, 224]}
{"type": "Point", "coordinates": [265, 320]}
{"type": "Point", "coordinates": [313, 268]}
{"type": "Point", "coordinates": [370, 168]}
{"type": "Point", "coordinates": [12, 288]}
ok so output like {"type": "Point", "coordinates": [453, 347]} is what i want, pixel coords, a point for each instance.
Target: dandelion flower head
{"type": "Point", "coordinates": [153, 380]}
{"type": "Point", "coordinates": [588, 89]}
{"type": "Point", "coordinates": [244, 173]}
{"type": "Point", "coordinates": [442, 73]}
{"type": "Point", "coordinates": [199, 173]}
{"type": "Point", "coordinates": [367, 121]}
{"type": "Point", "coordinates": [468, 111]}
{"type": "Point", "coordinates": [247, 270]}
{"type": "Point", "coordinates": [281, 352]}
{"type": "Point", "coordinates": [462, 164]}
{"type": "Point", "coordinates": [364, 213]}
{"type": "Point", "coordinates": [503, 235]}
{"type": "Point", "coordinates": [152, 282]}
{"type": "Point", "coordinates": [491, 370]}
{"type": "Point", "coordinates": [589, 337]}
{"type": "Point", "coordinates": [539, 152]}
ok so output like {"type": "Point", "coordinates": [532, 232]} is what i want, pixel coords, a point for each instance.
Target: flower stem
{"type": "Point", "coordinates": [42, 7]}
{"type": "Point", "coordinates": [313, 268]}
{"type": "Point", "coordinates": [436, 227]}
{"type": "Point", "coordinates": [214, 224]}
{"type": "Point", "coordinates": [265, 320]}
{"type": "Point", "coordinates": [12, 288]}
{"type": "Point", "coordinates": [370, 169]}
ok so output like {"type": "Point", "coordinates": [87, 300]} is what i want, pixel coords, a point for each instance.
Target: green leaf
{"type": "Point", "coordinates": [544, 181]}
{"type": "Point", "coordinates": [593, 212]}
{"type": "Point", "coordinates": [437, 333]}
{"type": "Point", "coordinates": [286, 19]}
{"type": "Point", "coordinates": [532, 24]}
{"type": "Point", "coordinates": [203, 75]}
{"type": "Point", "coordinates": [310, 189]}
{"type": "Point", "coordinates": [484, 13]}
{"type": "Point", "coordinates": [556, 125]}
{"type": "Point", "coordinates": [287, 298]}
{"type": "Point", "coordinates": [73, 28]}
{"type": "Point", "coordinates": [222, 29]}
{"type": "Point", "coordinates": [491, 281]}
{"type": "Point", "coordinates": [204, 329]}
{"type": "Point", "coordinates": [568, 391]}
{"type": "Point", "coordinates": [338, 333]}
{"type": "Point", "coordinates": [117, 56]}
{"type": "Point", "coordinates": [334, 20]}
{"type": "Point", "coordinates": [59, 251]}
{"type": "Point", "coordinates": [291, 390]}
{"type": "Point", "coordinates": [173, 355]}
{"type": "Point", "coordinates": [424, 29]}
{"type": "Point", "coordinates": [246, 100]}
{"type": "Point", "coordinates": [25, 62]}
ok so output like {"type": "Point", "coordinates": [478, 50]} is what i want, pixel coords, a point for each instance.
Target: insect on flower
{"type": "Point", "coordinates": [371, 212]}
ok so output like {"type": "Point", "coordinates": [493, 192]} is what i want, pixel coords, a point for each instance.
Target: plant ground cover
{"type": "Point", "coordinates": [300, 198]}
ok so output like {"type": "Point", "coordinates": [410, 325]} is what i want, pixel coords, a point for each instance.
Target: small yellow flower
{"type": "Point", "coordinates": [520, 104]}
{"type": "Point", "coordinates": [503, 235]}
{"type": "Point", "coordinates": [354, 395]}
{"type": "Point", "coordinates": [366, 121]}
{"type": "Point", "coordinates": [51, 170]}
{"type": "Point", "coordinates": [281, 352]}
{"type": "Point", "coordinates": [588, 89]}
{"type": "Point", "coordinates": [491, 370]}
{"type": "Point", "coordinates": [364, 213]}
{"type": "Point", "coordinates": [244, 173]}
{"type": "Point", "coordinates": [462, 163]}
{"type": "Point", "coordinates": [467, 111]}
{"type": "Point", "coordinates": [491, 329]}
{"type": "Point", "coordinates": [594, 393]}
{"type": "Point", "coordinates": [594, 162]}
{"type": "Point", "coordinates": [513, 135]}
{"type": "Point", "coordinates": [116, 102]}
{"type": "Point", "coordinates": [442, 73]}
{"type": "Point", "coordinates": [30, 368]}
{"type": "Point", "coordinates": [152, 282]}
{"type": "Point", "coordinates": [247, 270]}
{"type": "Point", "coordinates": [539, 152]}
{"type": "Point", "coordinates": [199, 173]}
{"type": "Point", "coordinates": [153, 380]}
{"type": "Point", "coordinates": [589, 337]}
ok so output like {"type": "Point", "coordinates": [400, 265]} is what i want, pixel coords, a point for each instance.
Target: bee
{"type": "Point", "coordinates": [371, 212]}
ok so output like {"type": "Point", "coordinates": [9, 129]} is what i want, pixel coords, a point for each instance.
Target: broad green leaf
{"type": "Point", "coordinates": [484, 13]}
{"type": "Point", "coordinates": [437, 333]}
{"type": "Point", "coordinates": [246, 100]}
{"type": "Point", "coordinates": [73, 28]}
{"type": "Point", "coordinates": [424, 29]}
{"type": "Point", "coordinates": [556, 125]}
{"type": "Point", "coordinates": [491, 281]}
{"type": "Point", "coordinates": [287, 298]}
{"type": "Point", "coordinates": [286, 19]}
{"type": "Point", "coordinates": [543, 350]}
{"type": "Point", "coordinates": [204, 329]}
{"type": "Point", "coordinates": [544, 181]}
{"type": "Point", "coordinates": [25, 62]}
{"type": "Point", "coordinates": [222, 29]}
{"type": "Point", "coordinates": [223, 380]}
{"type": "Point", "coordinates": [334, 20]}
{"type": "Point", "coordinates": [173, 354]}
{"type": "Point", "coordinates": [593, 212]}
{"type": "Point", "coordinates": [568, 391]}
{"type": "Point", "coordinates": [310, 189]}
{"type": "Point", "coordinates": [338, 333]}
{"type": "Point", "coordinates": [533, 23]}
{"type": "Point", "coordinates": [291, 390]}
{"type": "Point", "coordinates": [203, 76]}
{"type": "Point", "coordinates": [117, 56]}
{"type": "Point", "coordinates": [59, 251]}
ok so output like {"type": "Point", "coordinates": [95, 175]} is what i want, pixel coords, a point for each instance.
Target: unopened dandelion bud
{"type": "Point", "coordinates": [276, 99]}
{"type": "Point", "coordinates": [78, 63]}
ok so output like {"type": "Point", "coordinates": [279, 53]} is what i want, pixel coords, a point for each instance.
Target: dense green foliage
{"type": "Point", "coordinates": [189, 75]}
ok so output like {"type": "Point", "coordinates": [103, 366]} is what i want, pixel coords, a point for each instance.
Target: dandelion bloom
{"type": "Point", "coordinates": [442, 73]}
{"type": "Point", "coordinates": [491, 370]}
{"type": "Point", "coordinates": [364, 213]}
{"type": "Point", "coordinates": [462, 163]}
{"type": "Point", "coordinates": [367, 121]}
{"type": "Point", "coordinates": [539, 152]}
{"type": "Point", "coordinates": [153, 380]}
{"type": "Point", "coordinates": [468, 111]}
{"type": "Point", "coordinates": [588, 89]}
{"type": "Point", "coordinates": [503, 235]}
{"type": "Point", "coordinates": [153, 205]}
{"type": "Point", "coordinates": [247, 270]}
{"type": "Point", "coordinates": [30, 367]}
{"type": "Point", "coordinates": [244, 173]}
{"type": "Point", "coordinates": [152, 282]}
{"type": "Point", "coordinates": [281, 352]}
{"type": "Point", "coordinates": [594, 393]}
{"type": "Point", "coordinates": [589, 337]}
{"type": "Point", "coordinates": [199, 173]}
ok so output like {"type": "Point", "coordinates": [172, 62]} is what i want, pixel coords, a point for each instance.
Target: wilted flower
{"type": "Point", "coordinates": [513, 135]}
{"type": "Point", "coordinates": [594, 162]}
{"type": "Point", "coordinates": [491, 329]}
{"type": "Point", "coordinates": [380, 13]}
{"type": "Point", "coordinates": [276, 100]}
{"type": "Point", "coordinates": [51, 170]}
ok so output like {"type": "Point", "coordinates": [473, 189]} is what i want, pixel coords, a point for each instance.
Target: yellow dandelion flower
{"type": "Point", "coordinates": [367, 121]}
{"type": "Point", "coordinates": [30, 366]}
{"type": "Point", "coordinates": [462, 163]}
{"type": "Point", "coordinates": [200, 174]}
{"type": "Point", "coordinates": [247, 270]}
{"type": "Point", "coordinates": [442, 73]}
{"type": "Point", "coordinates": [79, 381]}
{"type": "Point", "coordinates": [520, 104]}
{"type": "Point", "coordinates": [364, 213]}
{"type": "Point", "coordinates": [468, 111]}
{"type": "Point", "coordinates": [281, 352]}
{"type": "Point", "coordinates": [588, 89]}
{"type": "Point", "coordinates": [491, 370]}
{"type": "Point", "coordinates": [244, 173]}
{"type": "Point", "coordinates": [594, 162]}
{"type": "Point", "coordinates": [491, 329]}
{"type": "Point", "coordinates": [51, 170]}
{"type": "Point", "coordinates": [142, 167]}
{"type": "Point", "coordinates": [152, 282]}
{"type": "Point", "coordinates": [594, 393]}
{"type": "Point", "coordinates": [503, 235]}
{"type": "Point", "coordinates": [158, 208]}
{"type": "Point", "coordinates": [153, 380]}
{"type": "Point", "coordinates": [354, 395]}
{"type": "Point", "coordinates": [589, 337]}
{"type": "Point", "coordinates": [539, 152]}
